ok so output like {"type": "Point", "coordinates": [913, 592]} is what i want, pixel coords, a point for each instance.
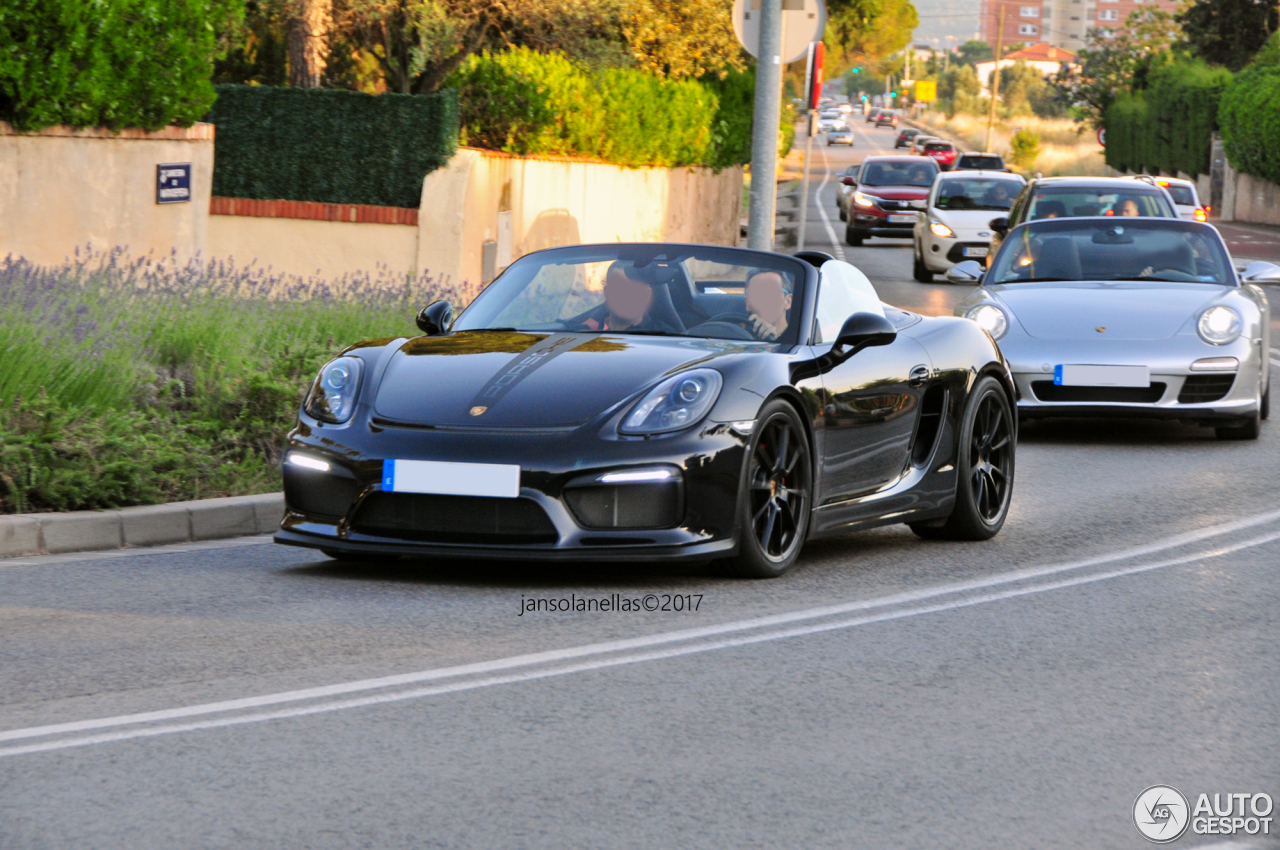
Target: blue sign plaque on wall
{"type": "Point", "coordinates": [173, 183]}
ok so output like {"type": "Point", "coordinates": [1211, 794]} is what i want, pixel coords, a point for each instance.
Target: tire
{"type": "Point", "coordinates": [985, 466]}
{"type": "Point", "coordinates": [1266, 404]}
{"type": "Point", "coordinates": [844, 216]}
{"type": "Point", "coordinates": [776, 495]}
{"type": "Point", "coordinates": [919, 269]}
{"type": "Point", "coordinates": [850, 239]}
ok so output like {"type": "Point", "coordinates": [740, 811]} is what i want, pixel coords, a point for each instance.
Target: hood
{"type": "Point", "coordinates": [969, 224]}
{"type": "Point", "coordinates": [526, 380]}
{"type": "Point", "coordinates": [896, 193]}
{"type": "Point", "coordinates": [1125, 310]}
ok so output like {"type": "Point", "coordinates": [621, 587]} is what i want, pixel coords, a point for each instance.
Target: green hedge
{"type": "Point", "coordinates": [327, 145]}
{"type": "Point", "coordinates": [110, 63]}
{"type": "Point", "coordinates": [1250, 115]}
{"type": "Point", "coordinates": [1167, 126]}
{"type": "Point", "coordinates": [525, 102]}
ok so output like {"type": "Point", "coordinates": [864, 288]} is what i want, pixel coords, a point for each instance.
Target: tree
{"type": "Point", "coordinates": [309, 41]}
{"type": "Point", "coordinates": [1229, 32]}
{"type": "Point", "coordinates": [1116, 62]}
{"type": "Point", "coordinates": [864, 32]}
{"type": "Point", "coordinates": [959, 91]}
{"type": "Point", "coordinates": [974, 51]}
{"type": "Point", "coordinates": [682, 38]}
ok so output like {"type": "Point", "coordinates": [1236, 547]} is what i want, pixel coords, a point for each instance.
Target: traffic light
{"type": "Point", "coordinates": [857, 70]}
{"type": "Point", "coordinates": [893, 94]}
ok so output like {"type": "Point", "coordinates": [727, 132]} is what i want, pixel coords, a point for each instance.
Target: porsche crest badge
{"type": "Point", "coordinates": [477, 410]}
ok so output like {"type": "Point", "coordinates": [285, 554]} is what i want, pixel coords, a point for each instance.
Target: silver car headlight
{"type": "Point", "coordinates": [990, 318]}
{"type": "Point", "coordinates": [1220, 325]}
{"type": "Point", "coordinates": [678, 402]}
{"type": "Point", "coordinates": [333, 395]}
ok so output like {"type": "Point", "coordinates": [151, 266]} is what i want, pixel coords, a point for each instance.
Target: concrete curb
{"type": "Point", "coordinates": [153, 525]}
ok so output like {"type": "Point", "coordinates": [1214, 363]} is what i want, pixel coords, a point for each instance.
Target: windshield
{"type": "Point", "coordinates": [1103, 250]}
{"type": "Point", "coordinates": [647, 289]}
{"type": "Point", "coordinates": [938, 146]}
{"type": "Point", "coordinates": [979, 163]}
{"type": "Point", "coordinates": [975, 193]}
{"type": "Point", "coordinates": [1182, 195]}
{"type": "Point", "coordinates": [1077, 202]}
{"type": "Point", "coordinates": [899, 174]}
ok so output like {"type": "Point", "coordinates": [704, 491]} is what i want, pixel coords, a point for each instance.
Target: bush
{"type": "Point", "coordinates": [1250, 115]}
{"type": "Point", "coordinates": [1025, 147]}
{"type": "Point", "coordinates": [1167, 127]}
{"type": "Point", "coordinates": [110, 63]}
{"type": "Point", "coordinates": [137, 383]}
{"type": "Point", "coordinates": [331, 146]}
{"type": "Point", "coordinates": [525, 102]}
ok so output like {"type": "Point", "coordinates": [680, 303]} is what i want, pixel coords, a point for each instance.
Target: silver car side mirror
{"type": "Point", "coordinates": [966, 272]}
{"type": "Point", "coordinates": [1260, 272]}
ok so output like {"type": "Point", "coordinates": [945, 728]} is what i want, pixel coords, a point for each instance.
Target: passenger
{"type": "Point", "coordinates": [1127, 207]}
{"type": "Point", "coordinates": [768, 299]}
{"type": "Point", "coordinates": [1050, 209]}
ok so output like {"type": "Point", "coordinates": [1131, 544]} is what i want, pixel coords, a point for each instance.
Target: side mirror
{"type": "Point", "coordinates": [863, 330]}
{"type": "Point", "coordinates": [1000, 225]}
{"type": "Point", "coordinates": [1260, 272]}
{"type": "Point", "coordinates": [848, 181]}
{"type": "Point", "coordinates": [436, 318]}
{"type": "Point", "coordinates": [968, 271]}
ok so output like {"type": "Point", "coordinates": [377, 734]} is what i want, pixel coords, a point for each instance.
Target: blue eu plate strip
{"type": "Point", "coordinates": [389, 476]}
{"type": "Point", "coordinates": [1057, 380]}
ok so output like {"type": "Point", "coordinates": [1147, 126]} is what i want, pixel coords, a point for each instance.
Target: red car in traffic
{"type": "Point", "coordinates": [888, 192]}
{"type": "Point", "coordinates": [943, 153]}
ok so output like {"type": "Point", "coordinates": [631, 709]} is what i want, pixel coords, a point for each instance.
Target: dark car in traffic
{"type": "Point", "coordinates": [1082, 197]}
{"type": "Point", "coordinates": [887, 118]}
{"type": "Point", "coordinates": [889, 191]}
{"type": "Point", "coordinates": [975, 161]}
{"type": "Point", "coordinates": [905, 136]}
{"type": "Point", "coordinates": [636, 402]}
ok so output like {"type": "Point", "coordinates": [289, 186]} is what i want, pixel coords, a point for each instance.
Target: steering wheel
{"type": "Point", "coordinates": [736, 325]}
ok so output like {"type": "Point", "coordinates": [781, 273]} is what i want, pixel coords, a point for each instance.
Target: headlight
{"type": "Point", "coordinates": [1219, 325]}
{"type": "Point", "coordinates": [990, 318]}
{"type": "Point", "coordinates": [863, 200]}
{"type": "Point", "coordinates": [677, 402]}
{"type": "Point", "coordinates": [333, 395]}
{"type": "Point", "coordinates": [940, 229]}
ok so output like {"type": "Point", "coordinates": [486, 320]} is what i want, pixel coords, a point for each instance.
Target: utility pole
{"type": "Point", "coordinates": [995, 79]}
{"type": "Point", "coordinates": [764, 133]}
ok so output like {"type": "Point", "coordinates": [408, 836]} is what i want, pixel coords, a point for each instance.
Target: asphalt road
{"type": "Point", "coordinates": [887, 692]}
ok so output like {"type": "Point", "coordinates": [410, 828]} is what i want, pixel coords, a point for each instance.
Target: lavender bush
{"type": "Point", "coordinates": [138, 381]}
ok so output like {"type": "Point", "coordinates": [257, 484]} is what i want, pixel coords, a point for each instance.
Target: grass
{"type": "Point", "coordinates": [142, 382]}
{"type": "Point", "coordinates": [1064, 148]}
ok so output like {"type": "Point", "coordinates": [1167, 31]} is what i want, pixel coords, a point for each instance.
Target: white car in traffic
{"type": "Point", "coordinates": [956, 222]}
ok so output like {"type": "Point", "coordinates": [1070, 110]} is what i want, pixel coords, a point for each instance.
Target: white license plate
{"type": "Point", "coordinates": [902, 219]}
{"type": "Point", "coordinates": [976, 252]}
{"type": "Point", "coordinates": [451, 479]}
{"type": "Point", "coordinates": [1102, 376]}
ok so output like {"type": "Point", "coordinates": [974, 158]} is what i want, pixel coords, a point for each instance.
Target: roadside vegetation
{"type": "Point", "coordinates": [142, 382]}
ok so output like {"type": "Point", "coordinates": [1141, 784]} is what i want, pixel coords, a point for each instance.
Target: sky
{"type": "Point", "coordinates": [942, 18]}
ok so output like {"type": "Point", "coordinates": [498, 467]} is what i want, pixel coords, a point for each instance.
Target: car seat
{"type": "Point", "coordinates": [1057, 258]}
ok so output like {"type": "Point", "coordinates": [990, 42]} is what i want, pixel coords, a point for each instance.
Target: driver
{"type": "Point", "coordinates": [1127, 206]}
{"type": "Point", "coordinates": [997, 196]}
{"type": "Point", "coordinates": [918, 176]}
{"type": "Point", "coordinates": [768, 298]}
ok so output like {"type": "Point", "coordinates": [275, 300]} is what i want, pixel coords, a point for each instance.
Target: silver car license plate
{"type": "Point", "coordinates": [976, 252]}
{"type": "Point", "coordinates": [1101, 376]}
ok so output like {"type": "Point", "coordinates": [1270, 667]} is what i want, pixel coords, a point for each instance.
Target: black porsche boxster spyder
{"type": "Point", "coordinates": [634, 402]}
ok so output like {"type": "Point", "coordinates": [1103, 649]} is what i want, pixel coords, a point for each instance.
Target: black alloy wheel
{"type": "Point", "coordinates": [984, 483]}
{"type": "Point", "coordinates": [775, 503]}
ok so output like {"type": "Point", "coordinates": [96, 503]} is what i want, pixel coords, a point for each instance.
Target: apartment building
{"type": "Point", "coordinates": [1060, 23]}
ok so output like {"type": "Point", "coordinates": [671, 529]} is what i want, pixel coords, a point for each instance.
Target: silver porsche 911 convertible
{"type": "Point", "coordinates": [1137, 317]}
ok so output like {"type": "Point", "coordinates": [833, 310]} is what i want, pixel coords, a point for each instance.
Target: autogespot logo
{"type": "Point", "coordinates": [1161, 814]}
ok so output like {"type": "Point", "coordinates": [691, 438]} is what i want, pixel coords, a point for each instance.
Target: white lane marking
{"type": "Point", "coordinates": [627, 644]}
{"type": "Point", "coordinates": [870, 141]}
{"type": "Point", "coordinates": [581, 667]}
{"type": "Point", "coordinates": [822, 210]}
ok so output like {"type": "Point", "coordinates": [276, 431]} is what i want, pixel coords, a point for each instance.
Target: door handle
{"type": "Point", "coordinates": [919, 375]}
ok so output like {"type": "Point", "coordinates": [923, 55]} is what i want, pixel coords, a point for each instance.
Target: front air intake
{"type": "Point", "coordinates": [627, 506]}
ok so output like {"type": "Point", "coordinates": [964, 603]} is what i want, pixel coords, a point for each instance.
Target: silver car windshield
{"type": "Point", "coordinates": [1063, 203]}
{"type": "Point", "coordinates": [1109, 249]}
{"type": "Point", "coordinates": [646, 289]}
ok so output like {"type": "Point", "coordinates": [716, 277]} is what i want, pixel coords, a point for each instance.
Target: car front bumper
{"type": "Point", "coordinates": [324, 510]}
{"type": "Point", "coordinates": [1194, 396]}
